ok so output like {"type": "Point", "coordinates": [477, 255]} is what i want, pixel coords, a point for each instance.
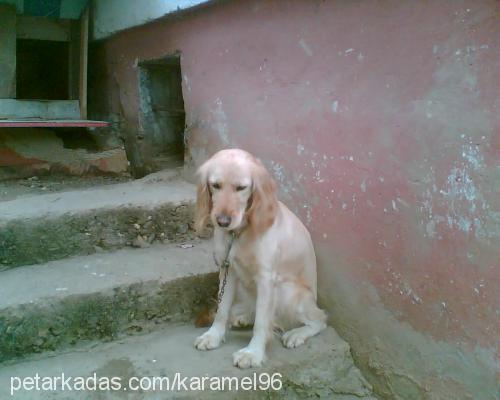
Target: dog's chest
{"type": "Point", "coordinates": [245, 265]}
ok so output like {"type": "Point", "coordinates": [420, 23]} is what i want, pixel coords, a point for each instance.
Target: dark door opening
{"type": "Point", "coordinates": [162, 115]}
{"type": "Point", "coordinates": [42, 69]}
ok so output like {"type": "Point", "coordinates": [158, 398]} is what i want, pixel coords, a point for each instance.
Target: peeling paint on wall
{"type": "Point", "coordinates": [460, 201]}
{"type": "Point", "coordinates": [305, 47]}
{"type": "Point", "coordinates": [219, 122]}
{"type": "Point", "coordinates": [335, 106]}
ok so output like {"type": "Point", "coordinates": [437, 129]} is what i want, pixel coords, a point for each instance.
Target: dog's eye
{"type": "Point", "coordinates": [216, 186]}
{"type": "Point", "coordinates": [240, 188]}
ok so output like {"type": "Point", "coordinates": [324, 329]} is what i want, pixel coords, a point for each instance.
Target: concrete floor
{"type": "Point", "coordinates": [322, 368]}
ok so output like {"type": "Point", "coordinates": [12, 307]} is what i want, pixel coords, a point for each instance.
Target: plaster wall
{"type": "Point", "coordinates": [380, 122]}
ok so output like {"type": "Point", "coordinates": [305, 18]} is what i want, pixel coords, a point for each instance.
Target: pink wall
{"type": "Point", "coordinates": [380, 121]}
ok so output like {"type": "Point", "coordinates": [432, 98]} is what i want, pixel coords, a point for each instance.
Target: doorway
{"type": "Point", "coordinates": [162, 115]}
{"type": "Point", "coordinates": [42, 69]}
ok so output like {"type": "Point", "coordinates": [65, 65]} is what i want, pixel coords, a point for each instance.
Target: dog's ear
{"type": "Point", "coordinates": [264, 203]}
{"type": "Point", "coordinates": [203, 199]}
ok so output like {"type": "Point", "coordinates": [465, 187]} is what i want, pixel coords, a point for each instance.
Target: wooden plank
{"type": "Point", "coordinates": [84, 44]}
{"type": "Point", "coordinates": [43, 28]}
{"type": "Point", "coordinates": [60, 123]}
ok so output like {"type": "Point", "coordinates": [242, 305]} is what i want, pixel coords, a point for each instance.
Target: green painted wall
{"type": "Point", "coordinates": [67, 9]}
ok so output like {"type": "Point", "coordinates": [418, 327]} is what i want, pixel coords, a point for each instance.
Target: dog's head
{"type": "Point", "coordinates": [235, 191]}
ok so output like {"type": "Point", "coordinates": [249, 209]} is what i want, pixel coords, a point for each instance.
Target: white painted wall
{"type": "Point", "coordinates": [111, 16]}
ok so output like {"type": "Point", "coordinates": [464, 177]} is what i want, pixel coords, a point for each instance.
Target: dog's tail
{"type": "Point", "coordinates": [206, 316]}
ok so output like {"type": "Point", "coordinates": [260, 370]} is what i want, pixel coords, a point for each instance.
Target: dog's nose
{"type": "Point", "coordinates": [223, 220]}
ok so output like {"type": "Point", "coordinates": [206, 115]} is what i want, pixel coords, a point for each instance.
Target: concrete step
{"type": "Point", "coordinates": [40, 228]}
{"type": "Point", "coordinates": [322, 368]}
{"type": "Point", "coordinates": [102, 296]}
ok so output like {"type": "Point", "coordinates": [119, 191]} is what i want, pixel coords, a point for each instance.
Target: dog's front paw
{"type": "Point", "coordinates": [247, 358]}
{"type": "Point", "coordinates": [211, 339]}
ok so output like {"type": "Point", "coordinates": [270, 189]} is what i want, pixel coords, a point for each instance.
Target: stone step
{"type": "Point", "coordinates": [102, 296]}
{"type": "Point", "coordinates": [322, 368]}
{"type": "Point", "coordinates": [40, 228]}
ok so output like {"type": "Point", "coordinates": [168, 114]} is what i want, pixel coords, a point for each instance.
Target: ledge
{"type": "Point", "coordinates": [56, 123]}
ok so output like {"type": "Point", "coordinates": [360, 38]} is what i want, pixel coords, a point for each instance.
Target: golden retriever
{"type": "Point", "coordinates": [272, 274]}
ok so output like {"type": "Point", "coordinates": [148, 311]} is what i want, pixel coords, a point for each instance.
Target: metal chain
{"type": "Point", "coordinates": [224, 281]}
{"type": "Point", "coordinates": [225, 264]}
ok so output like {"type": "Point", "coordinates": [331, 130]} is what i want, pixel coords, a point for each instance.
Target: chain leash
{"type": "Point", "coordinates": [225, 265]}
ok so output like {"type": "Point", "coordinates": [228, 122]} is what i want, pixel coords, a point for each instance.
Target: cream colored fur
{"type": "Point", "coordinates": [271, 282]}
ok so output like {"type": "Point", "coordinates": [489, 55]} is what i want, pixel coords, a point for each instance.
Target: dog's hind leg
{"type": "Point", "coordinates": [306, 312]}
{"type": "Point", "coordinates": [243, 311]}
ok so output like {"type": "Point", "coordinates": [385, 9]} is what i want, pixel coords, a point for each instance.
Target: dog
{"type": "Point", "coordinates": [271, 278]}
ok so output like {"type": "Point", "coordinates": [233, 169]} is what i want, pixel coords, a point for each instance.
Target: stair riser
{"type": "Point", "coordinates": [58, 324]}
{"type": "Point", "coordinates": [35, 241]}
